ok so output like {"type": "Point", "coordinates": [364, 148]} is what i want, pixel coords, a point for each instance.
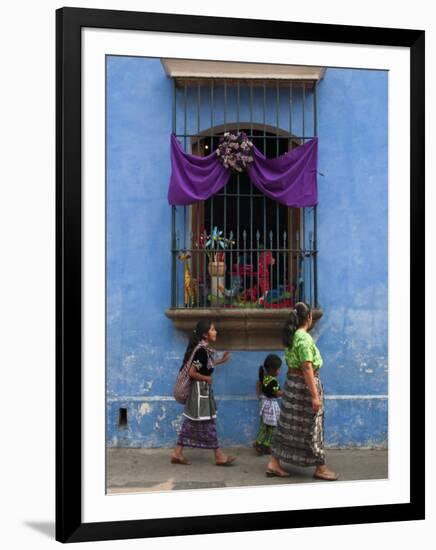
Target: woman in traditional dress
{"type": "Point", "coordinates": [299, 438]}
{"type": "Point", "coordinates": [199, 426]}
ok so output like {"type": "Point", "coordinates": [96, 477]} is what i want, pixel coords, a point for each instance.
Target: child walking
{"type": "Point", "coordinates": [268, 390]}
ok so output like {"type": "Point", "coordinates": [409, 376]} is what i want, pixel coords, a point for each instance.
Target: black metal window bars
{"type": "Point", "coordinates": [270, 260]}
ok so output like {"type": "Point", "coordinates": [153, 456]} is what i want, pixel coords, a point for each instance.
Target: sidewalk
{"type": "Point", "coordinates": [145, 470]}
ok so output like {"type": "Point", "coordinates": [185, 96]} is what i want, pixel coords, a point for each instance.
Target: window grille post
{"type": "Point", "coordinates": [277, 254]}
{"type": "Point", "coordinates": [315, 209]}
{"type": "Point", "coordinates": [251, 243]}
{"type": "Point", "coordinates": [173, 257]}
{"type": "Point", "coordinates": [303, 100]}
{"type": "Point", "coordinates": [303, 254]}
{"type": "Point", "coordinates": [211, 149]}
{"type": "Point", "coordinates": [285, 285]}
{"type": "Point", "coordinates": [173, 215]}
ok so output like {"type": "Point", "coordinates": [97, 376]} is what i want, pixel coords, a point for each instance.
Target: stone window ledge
{"type": "Point", "coordinates": [239, 329]}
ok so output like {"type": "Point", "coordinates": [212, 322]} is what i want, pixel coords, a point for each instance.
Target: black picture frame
{"type": "Point", "coordinates": [69, 22]}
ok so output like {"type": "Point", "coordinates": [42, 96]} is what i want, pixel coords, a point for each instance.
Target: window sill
{"type": "Point", "coordinates": [241, 329]}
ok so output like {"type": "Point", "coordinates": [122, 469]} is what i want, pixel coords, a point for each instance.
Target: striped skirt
{"type": "Point", "coordinates": [299, 437]}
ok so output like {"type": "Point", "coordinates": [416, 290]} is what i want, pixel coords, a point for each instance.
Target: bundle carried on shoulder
{"type": "Point", "coordinates": [183, 380]}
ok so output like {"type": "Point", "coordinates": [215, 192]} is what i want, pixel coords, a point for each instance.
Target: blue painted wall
{"type": "Point", "coordinates": [144, 351]}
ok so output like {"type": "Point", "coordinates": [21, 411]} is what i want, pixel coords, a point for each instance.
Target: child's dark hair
{"type": "Point", "coordinates": [201, 328]}
{"type": "Point", "coordinates": [297, 318]}
{"type": "Point", "coordinates": [272, 362]}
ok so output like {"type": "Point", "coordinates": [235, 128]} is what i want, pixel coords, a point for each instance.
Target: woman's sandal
{"type": "Point", "coordinates": [275, 473]}
{"type": "Point", "coordinates": [181, 460]}
{"type": "Point", "coordinates": [326, 476]}
{"type": "Point", "coordinates": [229, 460]}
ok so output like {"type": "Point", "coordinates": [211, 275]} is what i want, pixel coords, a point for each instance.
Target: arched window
{"type": "Point", "coordinates": [260, 269]}
{"type": "Point", "coordinates": [271, 258]}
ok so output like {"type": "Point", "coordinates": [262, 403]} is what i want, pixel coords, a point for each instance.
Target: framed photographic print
{"type": "Point", "coordinates": [240, 237]}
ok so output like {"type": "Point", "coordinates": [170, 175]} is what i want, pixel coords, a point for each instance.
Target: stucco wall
{"type": "Point", "coordinates": [144, 351]}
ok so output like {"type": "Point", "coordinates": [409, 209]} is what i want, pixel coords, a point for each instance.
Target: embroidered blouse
{"type": "Point", "coordinates": [203, 360]}
{"type": "Point", "coordinates": [303, 349]}
{"type": "Point", "coordinates": [270, 386]}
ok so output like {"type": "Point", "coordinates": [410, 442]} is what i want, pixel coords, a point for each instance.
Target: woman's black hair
{"type": "Point", "coordinates": [200, 330]}
{"type": "Point", "coordinates": [272, 362]}
{"type": "Point", "coordinates": [297, 318]}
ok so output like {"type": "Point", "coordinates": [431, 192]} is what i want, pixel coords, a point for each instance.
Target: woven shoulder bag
{"type": "Point", "coordinates": [183, 380]}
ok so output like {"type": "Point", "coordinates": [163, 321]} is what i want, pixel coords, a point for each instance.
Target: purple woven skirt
{"type": "Point", "coordinates": [198, 433]}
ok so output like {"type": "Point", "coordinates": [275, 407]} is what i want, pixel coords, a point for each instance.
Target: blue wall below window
{"type": "Point", "coordinates": [144, 351]}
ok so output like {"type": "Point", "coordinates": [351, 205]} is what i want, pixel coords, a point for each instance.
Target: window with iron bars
{"type": "Point", "coordinates": [270, 261]}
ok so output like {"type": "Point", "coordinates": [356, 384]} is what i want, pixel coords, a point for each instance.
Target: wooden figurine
{"type": "Point", "coordinates": [191, 294]}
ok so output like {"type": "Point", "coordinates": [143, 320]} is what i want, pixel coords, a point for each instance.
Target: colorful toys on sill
{"type": "Point", "coordinates": [266, 260]}
{"type": "Point", "coordinates": [191, 287]}
{"type": "Point", "coordinates": [214, 245]}
{"type": "Point", "coordinates": [249, 295]}
{"type": "Point", "coordinates": [234, 288]}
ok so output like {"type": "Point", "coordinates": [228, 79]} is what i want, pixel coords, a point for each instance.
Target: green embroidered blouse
{"type": "Point", "coordinates": [303, 349]}
{"type": "Point", "coordinates": [270, 386]}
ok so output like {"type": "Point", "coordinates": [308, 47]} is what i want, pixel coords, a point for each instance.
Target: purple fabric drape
{"type": "Point", "coordinates": [194, 178]}
{"type": "Point", "coordinates": [289, 179]}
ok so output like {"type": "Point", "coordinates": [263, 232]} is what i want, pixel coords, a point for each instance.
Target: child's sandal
{"type": "Point", "coordinates": [258, 448]}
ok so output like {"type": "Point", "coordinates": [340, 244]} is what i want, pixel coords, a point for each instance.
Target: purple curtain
{"type": "Point", "coordinates": [289, 179]}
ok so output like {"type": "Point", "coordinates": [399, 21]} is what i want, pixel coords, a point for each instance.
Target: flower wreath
{"type": "Point", "coordinates": [235, 151]}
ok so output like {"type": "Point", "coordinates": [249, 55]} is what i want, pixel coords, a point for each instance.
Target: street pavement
{"type": "Point", "coordinates": [137, 470]}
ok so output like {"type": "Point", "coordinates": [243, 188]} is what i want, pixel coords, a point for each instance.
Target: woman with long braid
{"type": "Point", "coordinates": [299, 437]}
{"type": "Point", "coordinates": [199, 427]}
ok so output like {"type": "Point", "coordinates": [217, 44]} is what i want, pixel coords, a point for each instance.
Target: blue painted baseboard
{"type": "Point", "coordinates": [349, 422]}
